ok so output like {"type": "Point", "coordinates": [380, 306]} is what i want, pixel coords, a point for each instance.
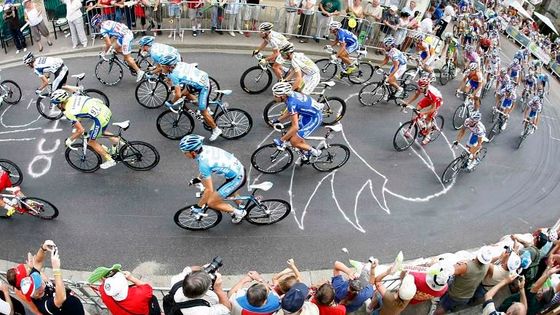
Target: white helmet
{"type": "Point", "coordinates": [473, 66]}
{"type": "Point", "coordinates": [59, 96]}
{"type": "Point", "coordinates": [335, 25]}
{"type": "Point", "coordinates": [281, 88]}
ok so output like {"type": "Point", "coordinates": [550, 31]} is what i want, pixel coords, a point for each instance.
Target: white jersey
{"type": "Point", "coordinates": [44, 65]}
{"type": "Point", "coordinates": [478, 129]}
{"type": "Point", "coordinates": [304, 64]}
{"type": "Point", "coordinates": [276, 40]}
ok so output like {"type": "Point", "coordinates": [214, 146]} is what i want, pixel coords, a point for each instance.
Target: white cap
{"type": "Point", "coordinates": [407, 290]}
{"type": "Point", "coordinates": [484, 255]}
{"type": "Point", "coordinates": [438, 274]}
{"type": "Point", "coordinates": [514, 262]}
{"type": "Point", "coordinates": [393, 8]}
{"type": "Point", "coordinates": [116, 287]}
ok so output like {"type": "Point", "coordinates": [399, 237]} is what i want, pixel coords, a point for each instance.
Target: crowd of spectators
{"type": "Point", "coordinates": [527, 266]}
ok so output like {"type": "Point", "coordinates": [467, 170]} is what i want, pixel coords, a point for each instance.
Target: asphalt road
{"type": "Point", "coordinates": [380, 202]}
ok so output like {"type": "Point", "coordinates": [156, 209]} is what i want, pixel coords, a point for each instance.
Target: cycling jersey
{"type": "Point", "coordinates": [79, 107]}
{"type": "Point", "coordinates": [186, 74]}
{"type": "Point", "coordinates": [276, 40]}
{"type": "Point", "coordinates": [521, 54]}
{"type": "Point", "coordinates": [494, 62]}
{"type": "Point", "coordinates": [44, 65]}
{"type": "Point", "coordinates": [530, 80]}
{"type": "Point", "coordinates": [304, 64]}
{"type": "Point", "coordinates": [396, 55]}
{"type": "Point", "coordinates": [507, 101]}
{"type": "Point", "coordinates": [159, 51]}
{"type": "Point", "coordinates": [121, 32]}
{"type": "Point", "coordinates": [214, 160]}
{"type": "Point", "coordinates": [452, 45]}
{"type": "Point", "coordinates": [543, 78]}
{"type": "Point", "coordinates": [534, 105]}
{"type": "Point", "coordinates": [514, 70]}
{"type": "Point", "coordinates": [477, 131]}
{"type": "Point", "coordinates": [309, 111]}
{"type": "Point", "coordinates": [432, 97]}
{"type": "Point", "coordinates": [473, 57]}
{"type": "Point", "coordinates": [349, 38]}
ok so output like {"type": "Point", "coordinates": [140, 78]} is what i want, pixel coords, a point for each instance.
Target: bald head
{"type": "Point", "coordinates": [516, 309]}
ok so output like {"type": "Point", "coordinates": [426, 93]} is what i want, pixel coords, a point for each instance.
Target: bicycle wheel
{"type": "Point", "coordinates": [139, 155]}
{"type": "Point", "coordinates": [405, 136]}
{"type": "Point", "coordinates": [522, 138]}
{"type": "Point", "coordinates": [331, 158]}
{"type": "Point", "coordinates": [11, 92]}
{"type": "Point", "coordinates": [46, 109]}
{"type": "Point", "coordinates": [272, 111]}
{"type": "Point", "coordinates": [40, 208]}
{"type": "Point", "coordinates": [362, 74]}
{"type": "Point", "coordinates": [459, 116]}
{"type": "Point", "coordinates": [87, 162]}
{"type": "Point", "coordinates": [97, 94]}
{"type": "Point", "coordinates": [372, 93]}
{"type": "Point", "coordinates": [334, 110]}
{"type": "Point", "coordinates": [481, 154]}
{"type": "Point", "coordinates": [452, 170]}
{"type": "Point", "coordinates": [268, 212]}
{"type": "Point", "coordinates": [444, 75]}
{"type": "Point", "coordinates": [151, 94]}
{"type": "Point", "coordinates": [439, 121]}
{"type": "Point", "coordinates": [327, 69]}
{"type": "Point", "coordinates": [496, 128]}
{"type": "Point", "coordinates": [108, 72]}
{"type": "Point", "coordinates": [174, 126]}
{"type": "Point", "coordinates": [235, 123]}
{"type": "Point", "coordinates": [214, 86]}
{"type": "Point", "coordinates": [255, 80]}
{"type": "Point", "coordinates": [188, 220]}
{"type": "Point", "coordinates": [14, 172]}
{"type": "Point", "coordinates": [269, 160]}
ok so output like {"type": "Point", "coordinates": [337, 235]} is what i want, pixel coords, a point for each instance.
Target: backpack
{"type": "Point", "coordinates": [170, 307]}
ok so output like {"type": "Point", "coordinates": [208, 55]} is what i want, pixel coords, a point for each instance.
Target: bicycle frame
{"type": "Point", "coordinates": [248, 199]}
{"type": "Point", "coordinates": [334, 59]}
{"type": "Point", "coordinates": [20, 202]}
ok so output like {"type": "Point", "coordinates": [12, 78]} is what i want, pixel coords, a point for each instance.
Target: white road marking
{"type": "Point", "coordinates": [15, 126]}
{"type": "Point", "coordinates": [20, 139]}
{"type": "Point", "coordinates": [20, 130]}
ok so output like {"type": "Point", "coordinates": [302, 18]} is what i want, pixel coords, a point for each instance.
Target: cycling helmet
{"type": "Point", "coordinates": [28, 58]}
{"type": "Point", "coordinates": [265, 27]}
{"type": "Point", "coordinates": [59, 96]}
{"type": "Point", "coordinates": [508, 88]}
{"type": "Point", "coordinates": [287, 48]}
{"type": "Point", "coordinates": [95, 20]}
{"type": "Point", "coordinates": [389, 41]}
{"type": "Point", "coordinates": [169, 60]}
{"type": "Point", "coordinates": [515, 61]}
{"type": "Point", "coordinates": [473, 66]}
{"type": "Point", "coordinates": [536, 98]}
{"type": "Point", "coordinates": [419, 37]}
{"type": "Point", "coordinates": [475, 116]}
{"type": "Point", "coordinates": [146, 41]}
{"type": "Point", "coordinates": [191, 143]}
{"type": "Point", "coordinates": [447, 35]}
{"type": "Point", "coordinates": [334, 25]}
{"type": "Point", "coordinates": [423, 82]}
{"type": "Point", "coordinates": [281, 88]}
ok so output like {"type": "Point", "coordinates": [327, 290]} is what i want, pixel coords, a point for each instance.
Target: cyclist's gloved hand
{"type": "Point", "coordinates": [274, 122]}
{"type": "Point", "coordinates": [38, 91]}
{"type": "Point", "coordinates": [195, 180]}
{"type": "Point", "coordinates": [455, 143]}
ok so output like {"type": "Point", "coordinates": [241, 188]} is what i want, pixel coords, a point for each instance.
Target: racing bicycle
{"type": "Point", "coordinates": [51, 111]}
{"type": "Point", "coordinates": [14, 172]}
{"type": "Point", "coordinates": [376, 91]}
{"type": "Point", "coordinates": [257, 79]}
{"type": "Point", "coordinates": [33, 206]}
{"type": "Point", "coordinates": [329, 67]}
{"type": "Point", "coordinates": [460, 164]}
{"type": "Point", "coordinates": [271, 159]}
{"type": "Point", "coordinates": [136, 155]}
{"type": "Point", "coordinates": [524, 99]}
{"type": "Point", "coordinates": [333, 110]}
{"type": "Point", "coordinates": [110, 71]}
{"type": "Point", "coordinates": [259, 211]}
{"type": "Point", "coordinates": [488, 85]}
{"type": "Point", "coordinates": [408, 132]}
{"type": "Point", "coordinates": [529, 128]}
{"type": "Point", "coordinates": [463, 111]}
{"type": "Point", "coordinates": [447, 72]}
{"type": "Point", "coordinates": [499, 118]}
{"type": "Point", "coordinates": [10, 92]}
{"type": "Point", "coordinates": [177, 121]}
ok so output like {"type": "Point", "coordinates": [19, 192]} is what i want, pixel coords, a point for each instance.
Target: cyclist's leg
{"type": "Point", "coordinates": [126, 50]}
{"type": "Point", "coordinates": [306, 127]}
{"type": "Point", "coordinates": [96, 130]}
{"type": "Point", "coordinates": [277, 67]}
{"type": "Point", "coordinates": [473, 146]}
{"type": "Point", "coordinates": [59, 82]}
{"type": "Point", "coordinates": [203, 107]}
{"type": "Point", "coordinates": [228, 188]}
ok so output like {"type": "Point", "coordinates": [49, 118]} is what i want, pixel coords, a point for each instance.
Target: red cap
{"type": "Point", "coordinates": [21, 272]}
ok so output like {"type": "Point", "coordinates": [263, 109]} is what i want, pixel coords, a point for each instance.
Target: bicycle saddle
{"type": "Point", "coordinates": [224, 92]}
{"type": "Point", "coordinates": [264, 186]}
{"type": "Point", "coordinates": [79, 75]}
{"type": "Point", "coordinates": [328, 83]}
{"type": "Point", "coordinates": [335, 128]}
{"type": "Point", "coordinates": [123, 124]}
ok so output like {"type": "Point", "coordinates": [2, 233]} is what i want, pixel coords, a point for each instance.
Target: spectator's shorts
{"type": "Point", "coordinates": [40, 29]}
{"type": "Point", "coordinates": [126, 42]}
{"type": "Point", "coordinates": [449, 304]}
{"type": "Point", "coordinates": [174, 10]}
{"type": "Point", "coordinates": [5, 181]}
{"type": "Point", "coordinates": [400, 72]}
{"type": "Point", "coordinates": [232, 185]}
{"type": "Point", "coordinates": [60, 77]}
{"type": "Point", "coordinates": [309, 124]}
{"type": "Point", "coordinates": [310, 83]}
{"type": "Point", "coordinates": [252, 12]}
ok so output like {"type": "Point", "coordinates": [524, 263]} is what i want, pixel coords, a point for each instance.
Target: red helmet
{"type": "Point", "coordinates": [423, 82]}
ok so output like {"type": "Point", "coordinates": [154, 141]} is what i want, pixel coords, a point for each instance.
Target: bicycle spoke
{"type": "Point", "coordinates": [268, 212]}
{"type": "Point", "coordinates": [234, 123]}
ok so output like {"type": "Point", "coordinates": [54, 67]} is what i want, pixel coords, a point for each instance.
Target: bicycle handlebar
{"type": "Point", "coordinates": [279, 126]}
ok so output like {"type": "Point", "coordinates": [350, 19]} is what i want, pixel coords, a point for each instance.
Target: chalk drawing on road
{"type": "Point", "coordinates": [15, 126]}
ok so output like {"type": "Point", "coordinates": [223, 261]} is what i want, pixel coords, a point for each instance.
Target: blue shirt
{"type": "Point", "coordinates": [188, 74]}
{"type": "Point", "coordinates": [303, 105]}
{"type": "Point", "coordinates": [214, 160]}
{"type": "Point", "coordinates": [340, 287]}
{"type": "Point", "coordinates": [346, 36]}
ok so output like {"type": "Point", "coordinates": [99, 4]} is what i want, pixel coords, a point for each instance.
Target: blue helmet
{"type": "Point", "coordinates": [95, 20]}
{"type": "Point", "coordinates": [146, 40]}
{"type": "Point", "coordinates": [191, 143]}
{"type": "Point", "coordinates": [389, 41]}
{"type": "Point", "coordinates": [169, 60]}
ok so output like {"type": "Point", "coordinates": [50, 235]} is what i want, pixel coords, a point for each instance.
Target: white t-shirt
{"type": "Point", "coordinates": [448, 13]}
{"type": "Point", "coordinates": [34, 16]}
{"type": "Point", "coordinates": [426, 26]}
{"type": "Point", "coordinates": [307, 309]}
{"type": "Point", "coordinates": [215, 309]}
{"type": "Point", "coordinates": [5, 308]}
{"type": "Point", "coordinates": [73, 11]}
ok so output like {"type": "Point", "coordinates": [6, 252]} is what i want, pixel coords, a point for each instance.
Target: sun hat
{"type": "Point", "coordinates": [407, 290]}
{"type": "Point", "coordinates": [116, 287]}
{"type": "Point", "coordinates": [438, 275]}
{"type": "Point", "coordinates": [484, 255]}
{"type": "Point", "coordinates": [514, 262]}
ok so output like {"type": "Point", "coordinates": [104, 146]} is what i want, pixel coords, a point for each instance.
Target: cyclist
{"type": "Point", "coordinates": [485, 43]}
{"type": "Point", "coordinates": [124, 36]}
{"type": "Point", "coordinates": [532, 113]}
{"type": "Point", "coordinates": [543, 82]}
{"type": "Point", "coordinates": [522, 55]}
{"type": "Point", "coordinates": [426, 54]}
{"type": "Point", "coordinates": [505, 101]}
{"type": "Point", "coordinates": [450, 47]}
{"type": "Point", "coordinates": [275, 41]}
{"type": "Point", "coordinates": [187, 80]}
{"type": "Point", "coordinates": [495, 37]}
{"type": "Point", "coordinates": [502, 79]}
{"type": "Point", "coordinates": [478, 135]}
{"type": "Point", "coordinates": [77, 108]}
{"type": "Point", "coordinates": [475, 81]}
{"type": "Point", "coordinates": [212, 160]}
{"type": "Point", "coordinates": [44, 67]}
{"type": "Point", "coordinates": [305, 116]}
{"type": "Point", "coordinates": [514, 71]}
{"type": "Point", "coordinates": [5, 183]}
{"type": "Point", "coordinates": [428, 106]}
{"type": "Point", "coordinates": [348, 43]}
{"type": "Point", "coordinates": [492, 64]}
{"type": "Point", "coordinates": [471, 56]}
{"type": "Point", "coordinates": [156, 51]}
{"type": "Point", "coordinates": [399, 64]}
{"type": "Point", "coordinates": [304, 71]}
{"type": "Point", "coordinates": [530, 82]}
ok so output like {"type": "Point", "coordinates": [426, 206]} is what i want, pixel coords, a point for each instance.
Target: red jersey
{"type": "Point", "coordinates": [423, 290]}
{"type": "Point", "coordinates": [432, 96]}
{"type": "Point", "coordinates": [5, 181]}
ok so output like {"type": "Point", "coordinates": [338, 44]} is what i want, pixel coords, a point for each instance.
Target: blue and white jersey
{"type": "Point", "coordinates": [535, 105]}
{"type": "Point", "coordinates": [512, 96]}
{"type": "Point", "coordinates": [159, 51]}
{"type": "Point", "coordinates": [214, 160]}
{"type": "Point", "coordinates": [478, 129]}
{"type": "Point", "coordinates": [303, 105]}
{"type": "Point", "coordinates": [346, 36]}
{"type": "Point", "coordinates": [43, 65]}
{"type": "Point", "coordinates": [114, 29]}
{"type": "Point", "coordinates": [187, 74]}
{"type": "Point", "coordinates": [521, 54]}
{"type": "Point", "coordinates": [543, 78]}
{"type": "Point", "coordinates": [396, 55]}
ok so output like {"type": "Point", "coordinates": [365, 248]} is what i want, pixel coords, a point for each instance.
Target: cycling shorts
{"type": "Point", "coordinates": [400, 71]}
{"type": "Point", "coordinates": [474, 86]}
{"type": "Point", "coordinates": [5, 181]}
{"type": "Point", "coordinates": [352, 48]}
{"type": "Point", "coordinates": [473, 140]}
{"type": "Point", "coordinates": [232, 185]}
{"type": "Point", "coordinates": [309, 124]}
{"type": "Point", "coordinates": [203, 98]}
{"type": "Point", "coordinates": [60, 77]}
{"type": "Point", "coordinates": [514, 74]}
{"type": "Point", "coordinates": [100, 124]}
{"type": "Point", "coordinates": [533, 113]}
{"type": "Point", "coordinates": [310, 83]}
{"type": "Point", "coordinates": [507, 103]}
{"type": "Point", "coordinates": [126, 42]}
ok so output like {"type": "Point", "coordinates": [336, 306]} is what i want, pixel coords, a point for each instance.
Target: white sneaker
{"type": "Point", "coordinates": [504, 125]}
{"type": "Point", "coordinates": [17, 51]}
{"type": "Point", "coordinates": [108, 164]}
{"type": "Point", "coordinates": [216, 132]}
{"type": "Point", "coordinates": [315, 152]}
{"type": "Point", "coordinates": [237, 216]}
{"type": "Point", "coordinates": [74, 46]}
{"type": "Point", "coordinates": [240, 32]}
{"type": "Point", "coordinates": [140, 75]}
{"type": "Point", "coordinates": [84, 45]}
{"type": "Point", "coordinates": [25, 49]}
{"type": "Point", "coordinates": [232, 34]}
{"type": "Point", "coordinates": [472, 163]}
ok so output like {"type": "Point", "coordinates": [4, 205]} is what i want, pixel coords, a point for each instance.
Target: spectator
{"type": "Point", "coordinates": [194, 14]}
{"type": "Point", "coordinates": [153, 15]}
{"type": "Point", "coordinates": [6, 305]}
{"type": "Point", "coordinates": [285, 279]}
{"type": "Point", "coordinates": [251, 17]}
{"type": "Point", "coordinates": [327, 9]}
{"type": "Point", "coordinates": [432, 283]}
{"type": "Point", "coordinates": [122, 12]}
{"type": "Point", "coordinates": [306, 18]}
{"type": "Point", "coordinates": [36, 23]}
{"type": "Point", "coordinates": [121, 299]}
{"type": "Point", "coordinates": [394, 301]}
{"type": "Point", "coordinates": [410, 8]}
{"type": "Point", "coordinates": [197, 285]}
{"type": "Point", "coordinates": [175, 9]}
{"type": "Point", "coordinates": [373, 13]}
{"type": "Point", "coordinates": [400, 32]}
{"type": "Point", "coordinates": [257, 299]}
{"type": "Point", "coordinates": [412, 26]}
{"type": "Point", "coordinates": [295, 302]}
{"type": "Point", "coordinates": [355, 10]}
{"type": "Point", "coordinates": [448, 14]}
{"type": "Point", "coordinates": [107, 8]}
{"type": "Point", "coordinates": [468, 275]}
{"type": "Point", "coordinates": [324, 299]}
{"type": "Point", "coordinates": [488, 308]}
{"type": "Point", "coordinates": [217, 16]}
{"type": "Point", "coordinates": [234, 22]}
{"type": "Point", "coordinates": [508, 263]}
{"type": "Point", "coordinates": [11, 17]}
{"type": "Point", "coordinates": [351, 292]}
{"type": "Point", "coordinates": [140, 13]}
{"type": "Point", "coordinates": [426, 26]}
{"type": "Point", "coordinates": [390, 20]}
{"type": "Point", "coordinates": [291, 7]}
{"type": "Point", "coordinates": [76, 22]}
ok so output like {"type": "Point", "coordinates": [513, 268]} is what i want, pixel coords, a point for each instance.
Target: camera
{"type": "Point", "coordinates": [211, 269]}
